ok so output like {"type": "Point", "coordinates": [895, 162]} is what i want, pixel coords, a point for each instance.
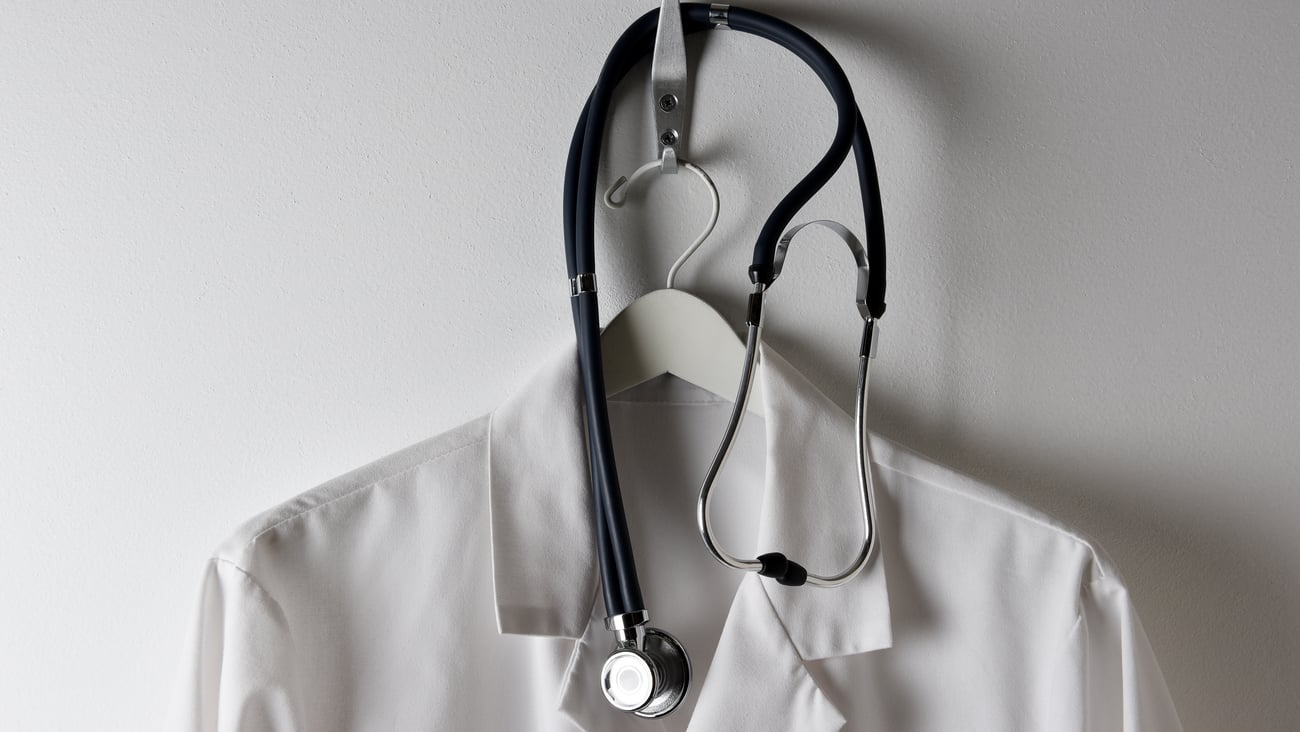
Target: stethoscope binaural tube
{"type": "Point", "coordinates": [775, 564]}
{"type": "Point", "coordinates": [655, 651]}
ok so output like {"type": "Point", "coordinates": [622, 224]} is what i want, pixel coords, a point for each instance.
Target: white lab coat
{"type": "Point", "coordinates": [453, 586]}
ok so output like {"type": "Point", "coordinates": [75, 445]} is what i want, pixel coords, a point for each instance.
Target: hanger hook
{"type": "Point", "coordinates": [613, 199]}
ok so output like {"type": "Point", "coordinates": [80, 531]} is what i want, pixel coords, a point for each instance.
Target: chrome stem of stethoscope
{"type": "Point", "coordinates": [866, 354]}
{"type": "Point", "coordinates": [754, 325]}
{"type": "Point", "coordinates": [776, 565]}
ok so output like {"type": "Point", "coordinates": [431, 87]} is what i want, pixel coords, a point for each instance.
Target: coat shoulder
{"type": "Point", "coordinates": [433, 451]}
{"type": "Point", "coordinates": [949, 486]}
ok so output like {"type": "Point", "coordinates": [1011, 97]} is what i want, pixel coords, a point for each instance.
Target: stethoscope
{"type": "Point", "coordinates": [648, 672]}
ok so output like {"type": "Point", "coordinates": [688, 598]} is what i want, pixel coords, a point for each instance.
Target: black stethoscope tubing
{"type": "Point", "coordinates": [622, 593]}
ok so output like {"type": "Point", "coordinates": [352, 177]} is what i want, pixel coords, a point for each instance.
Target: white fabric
{"type": "Point", "coordinates": [453, 586]}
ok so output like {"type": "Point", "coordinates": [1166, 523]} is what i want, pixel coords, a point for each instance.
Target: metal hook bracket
{"type": "Point", "coordinates": [668, 86]}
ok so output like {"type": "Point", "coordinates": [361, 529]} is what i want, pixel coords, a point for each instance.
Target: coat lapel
{"type": "Point", "coordinates": [543, 541]}
{"type": "Point", "coordinates": [757, 679]}
{"type": "Point", "coordinates": [811, 513]}
{"type": "Point", "coordinates": [545, 571]}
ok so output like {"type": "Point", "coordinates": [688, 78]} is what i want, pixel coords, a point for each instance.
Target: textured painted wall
{"type": "Point", "coordinates": [247, 246]}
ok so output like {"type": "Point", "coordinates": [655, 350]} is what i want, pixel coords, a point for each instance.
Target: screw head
{"type": "Point", "coordinates": [667, 103]}
{"type": "Point", "coordinates": [668, 138]}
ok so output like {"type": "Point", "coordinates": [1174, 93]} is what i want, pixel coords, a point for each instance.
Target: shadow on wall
{"type": "Point", "coordinates": [1214, 605]}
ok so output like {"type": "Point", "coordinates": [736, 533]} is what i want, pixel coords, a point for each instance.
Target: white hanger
{"type": "Point", "coordinates": [671, 331]}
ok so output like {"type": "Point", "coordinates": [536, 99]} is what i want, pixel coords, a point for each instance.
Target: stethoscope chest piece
{"type": "Point", "coordinates": [648, 673]}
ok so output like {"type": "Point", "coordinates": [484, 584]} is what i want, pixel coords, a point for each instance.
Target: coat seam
{"type": "Point", "coordinates": [358, 489]}
{"type": "Point", "coordinates": [279, 611]}
{"type": "Point", "coordinates": [1085, 543]}
{"type": "Point", "coordinates": [781, 621]}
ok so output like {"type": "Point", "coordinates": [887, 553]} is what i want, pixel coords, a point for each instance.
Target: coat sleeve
{"type": "Point", "coordinates": [238, 669]}
{"type": "Point", "coordinates": [1107, 678]}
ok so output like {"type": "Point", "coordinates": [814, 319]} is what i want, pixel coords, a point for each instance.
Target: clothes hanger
{"type": "Point", "coordinates": [671, 331]}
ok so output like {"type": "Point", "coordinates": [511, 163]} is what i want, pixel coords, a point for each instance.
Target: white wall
{"type": "Point", "coordinates": [247, 246]}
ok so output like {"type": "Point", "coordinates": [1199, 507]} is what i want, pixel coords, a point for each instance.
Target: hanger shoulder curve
{"type": "Point", "coordinates": [670, 331]}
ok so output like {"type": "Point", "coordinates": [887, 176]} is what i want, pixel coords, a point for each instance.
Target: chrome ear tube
{"type": "Point", "coordinates": [775, 564]}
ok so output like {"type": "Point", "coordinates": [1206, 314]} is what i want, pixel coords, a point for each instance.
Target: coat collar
{"type": "Point", "coordinates": [545, 564]}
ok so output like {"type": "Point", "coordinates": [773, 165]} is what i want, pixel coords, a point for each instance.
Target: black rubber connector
{"type": "Point", "coordinates": [784, 571]}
